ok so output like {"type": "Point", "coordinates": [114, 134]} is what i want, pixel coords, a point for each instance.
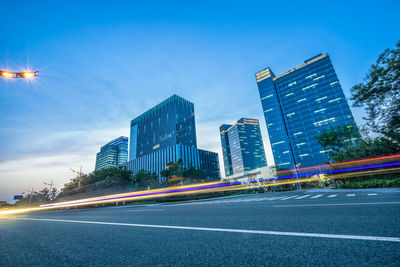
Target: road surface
{"type": "Point", "coordinates": [326, 227]}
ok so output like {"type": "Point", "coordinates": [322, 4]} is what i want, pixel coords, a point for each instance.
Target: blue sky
{"type": "Point", "coordinates": [102, 63]}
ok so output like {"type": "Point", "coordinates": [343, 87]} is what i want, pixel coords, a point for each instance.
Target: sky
{"type": "Point", "coordinates": [103, 63]}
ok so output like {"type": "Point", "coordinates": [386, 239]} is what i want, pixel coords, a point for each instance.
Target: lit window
{"type": "Point", "coordinates": [319, 123]}
{"type": "Point", "coordinates": [308, 87]}
{"type": "Point", "coordinates": [280, 142]}
{"type": "Point", "coordinates": [320, 77]}
{"type": "Point", "coordinates": [319, 99]}
{"type": "Point", "coordinates": [310, 76]}
{"type": "Point", "coordinates": [265, 97]}
{"type": "Point", "coordinates": [334, 83]}
{"type": "Point", "coordinates": [319, 110]}
{"type": "Point", "coordinates": [333, 100]}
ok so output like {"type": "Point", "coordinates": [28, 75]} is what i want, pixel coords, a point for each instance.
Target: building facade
{"type": "Point", "coordinates": [168, 123]}
{"type": "Point", "coordinates": [298, 105]}
{"type": "Point", "coordinates": [167, 133]}
{"type": "Point", "coordinates": [242, 146]}
{"type": "Point", "coordinates": [226, 150]}
{"type": "Point", "coordinates": [157, 161]}
{"type": "Point", "coordinates": [113, 154]}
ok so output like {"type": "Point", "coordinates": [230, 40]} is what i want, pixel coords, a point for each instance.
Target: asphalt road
{"type": "Point", "coordinates": [282, 229]}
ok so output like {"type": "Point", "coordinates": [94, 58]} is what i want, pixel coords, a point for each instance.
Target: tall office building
{"type": "Point", "coordinates": [226, 150]}
{"type": "Point", "coordinates": [242, 146]}
{"type": "Point", "coordinates": [170, 122]}
{"type": "Point", "coordinates": [167, 133]}
{"type": "Point", "coordinates": [113, 154]}
{"type": "Point", "coordinates": [298, 105]}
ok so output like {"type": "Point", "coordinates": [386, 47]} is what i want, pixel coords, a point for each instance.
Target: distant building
{"type": "Point", "coordinates": [226, 150]}
{"type": "Point", "coordinates": [113, 154]}
{"type": "Point", "coordinates": [167, 133]}
{"type": "Point", "coordinates": [242, 146]}
{"type": "Point", "coordinates": [298, 105]}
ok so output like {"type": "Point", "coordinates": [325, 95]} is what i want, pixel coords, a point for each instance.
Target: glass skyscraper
{"type": "Point", "coordinates": [298, 105]}
{"type": "Point", "coordinates": [242, 146]}
{"type": "Point", "coordinates": [170, 122]}
{"type": "Point", "coordinates": [113, 154]}
{"type": "Point", "coordinates": [167, 133]}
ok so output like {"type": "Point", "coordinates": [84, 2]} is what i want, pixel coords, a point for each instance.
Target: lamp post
{"type": "Point", "coordinates": [50, 187]}
{"type": "Point", "coordinates": [297, 176]}
{"type": "Point", "coordinates": [80, 176]}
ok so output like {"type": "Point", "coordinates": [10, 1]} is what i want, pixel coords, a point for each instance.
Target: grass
{"type": "Point", "coordinates": [378, 181]}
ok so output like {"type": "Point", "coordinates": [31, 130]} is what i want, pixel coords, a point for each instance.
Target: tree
{"type": "Point", "coordinates": [338, 142]}
{"type": "Point", "coordinates": [104, 178]}
{"type": "Point", "coordinates": [175, 171]}
{"type": "Point", "coordinates": [144, 179]}
{"type": "Point", "coordinates": [194, 174]}
{"type": "Point", "coordinates": [346, 144]}
{"type": "Point", "coordinates": [380, 95]}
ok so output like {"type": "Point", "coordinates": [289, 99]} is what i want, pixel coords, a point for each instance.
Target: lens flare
{"type": "Point", "coordinates": [7, 74]}
{"type": "Point", "coordinates": [28, 74]}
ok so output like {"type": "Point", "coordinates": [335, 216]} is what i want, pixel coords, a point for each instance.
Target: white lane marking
{"type": "Point", "coordinates": [302, 197]}
{"type": "Point", "coordinates": [338, 204]}
{"type": "Point", "coordinates": [261, 232]}
{"type": "Point", "coordinates": [317, 196]}
{"type": "Point", "coordinates": [350, 195]}
{"type": "Point", "coordinates": [289, 197]}
{"type": "Point", "coordinates": [147, 210]}
{"type": "Point", "coordinates": [276, 198]}
{"type": "Point", "coordinates": [332, 196]}
{"type": "Point", "coordinates": [372, 194]}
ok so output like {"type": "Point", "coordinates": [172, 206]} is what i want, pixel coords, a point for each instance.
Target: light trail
{"type": "Point", "coordinates": [212, 187]}
{"type": "Point", "coordinates": [196, 188]}
{"type": "Point", "coordinates": [397, 156]}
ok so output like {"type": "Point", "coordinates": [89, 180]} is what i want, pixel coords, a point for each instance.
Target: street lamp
{"type": "Point", "coordinates": [297, 176]}
{"type": "Point", "coordinates": [24, 74]}
{"type": "Point", "coordinates": [7, 74]}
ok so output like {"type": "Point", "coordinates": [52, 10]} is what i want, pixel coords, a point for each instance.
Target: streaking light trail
{"type": "Point", "coordinates": [212, 187]}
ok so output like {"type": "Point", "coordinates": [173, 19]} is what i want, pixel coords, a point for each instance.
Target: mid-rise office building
{"type": "Point", "coordinates": [298, 105]}
{"type": "Point", "coordinates": [167, 133]}
{"type": "Point", "coordinates": [113, 154]}
{"type": "Point", "coordinates": [168, 123]}
{"type": "Point", "coordinates": [242, 146]}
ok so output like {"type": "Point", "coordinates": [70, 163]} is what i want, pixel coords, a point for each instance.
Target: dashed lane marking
{"type": "Point", "coordinates": [317, 196]}
{"type": "Point", "coordinates": [289, 197]}
{"type": "Point", "coordinates": [336, 204]}
{"type": "Point", "coordinates": [302, 197]}
{"type": "Point", "coordinates": [332, 196]}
